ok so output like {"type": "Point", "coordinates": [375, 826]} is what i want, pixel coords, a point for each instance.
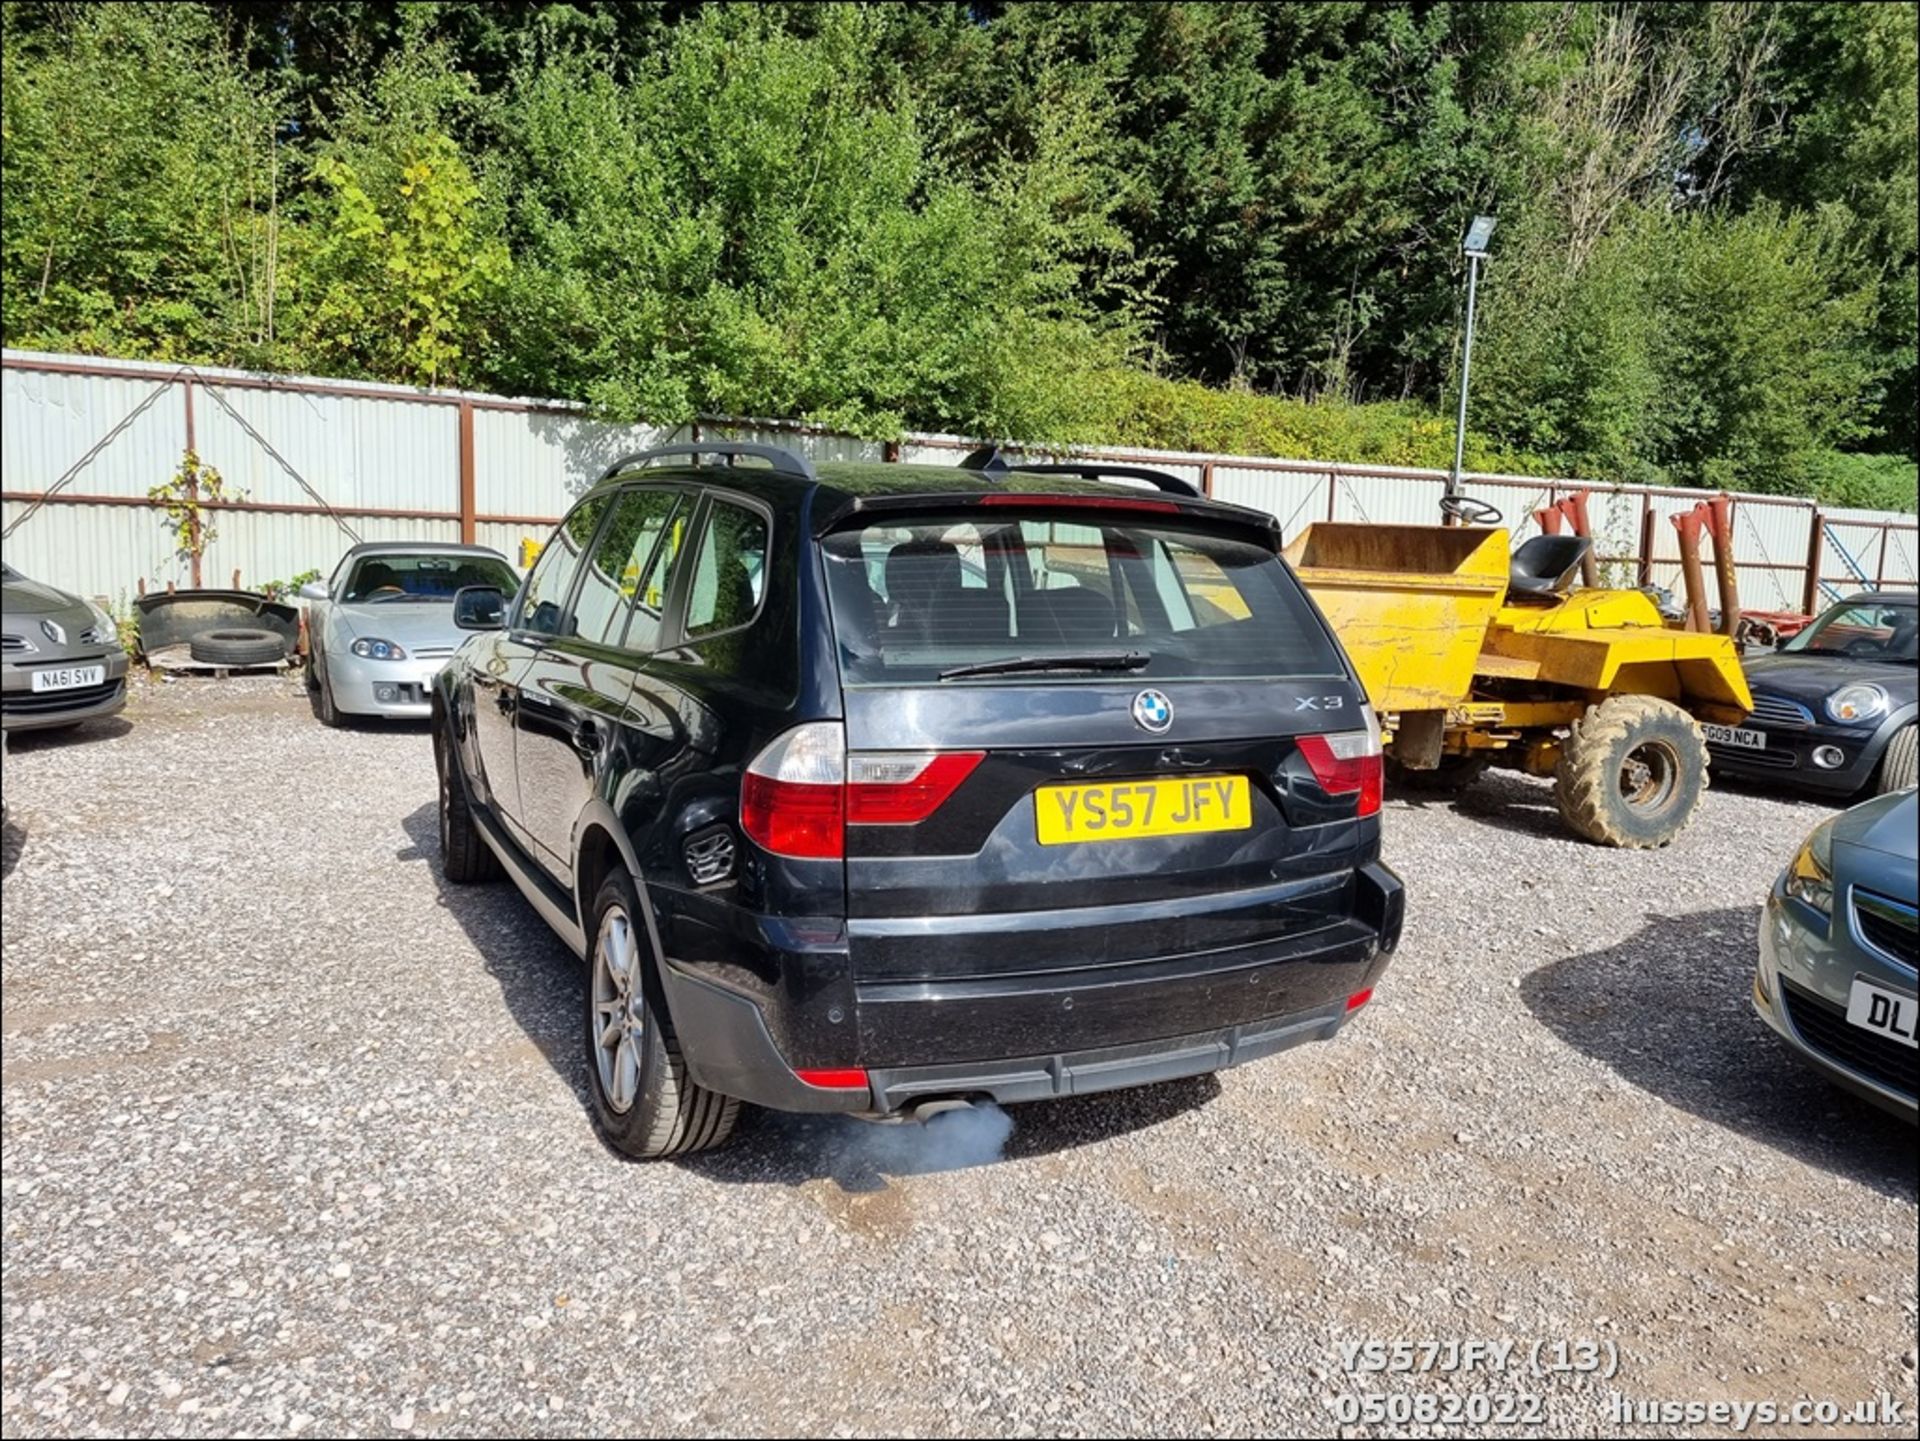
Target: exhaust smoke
{"type": "Point", "coordinates": [949, 1139]}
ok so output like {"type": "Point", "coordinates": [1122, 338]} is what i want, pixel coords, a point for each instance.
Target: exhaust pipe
{"type": "Point", "coordinates": [916, 1112]}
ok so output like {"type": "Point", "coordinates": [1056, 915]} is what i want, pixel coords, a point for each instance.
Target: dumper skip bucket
{"type": "Point", "coordinates": [1411, 603]}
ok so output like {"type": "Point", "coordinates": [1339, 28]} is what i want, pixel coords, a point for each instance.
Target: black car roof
{"type": "Point", "coordinates": [839, 487]}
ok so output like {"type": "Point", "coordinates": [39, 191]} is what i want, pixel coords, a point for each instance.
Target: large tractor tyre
{"type": "Point", "coordinates": [1632, 773]}
{"type": "Point", "coordinates": [644, 1101]}
{"type": "Point", "coordinates": [465, 857]}
{"type": "Point", "coordinates": [1897, 771]}
{"type": "Point", "coordinates": [1454, 773]}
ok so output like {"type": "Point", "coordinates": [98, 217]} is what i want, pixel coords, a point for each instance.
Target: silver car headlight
{"type": "Point", "coordinates": [1810, 877]}
{"type": "Point", "coordinates": [104, 630]}
{"type": "Point", "coordinates": [368, 648]}
{"type": "Point", "coordinates": [1857, 702]}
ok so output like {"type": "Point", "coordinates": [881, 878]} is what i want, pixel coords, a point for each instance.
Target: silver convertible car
{"type": "Point", "coordinates": [382, 625]}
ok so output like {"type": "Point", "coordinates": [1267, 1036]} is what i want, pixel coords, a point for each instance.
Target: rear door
{"type": "Point", "coordinates": [1152, 799]}
{"type": "Point", "coordinates": [500, 665]}
{"type": "Point", "coordinates": [574, 695]}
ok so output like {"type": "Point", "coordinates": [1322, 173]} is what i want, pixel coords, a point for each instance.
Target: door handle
{"type": "Point", "coordinates": [587, 736]}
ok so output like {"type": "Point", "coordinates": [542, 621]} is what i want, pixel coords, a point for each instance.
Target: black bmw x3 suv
{"type": "Point", "coordinates": [880, 788]}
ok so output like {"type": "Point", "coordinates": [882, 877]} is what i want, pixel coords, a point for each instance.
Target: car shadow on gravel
{"type": "Point", "coordinates": [80, 734]}
{"type": "Point", "coordinates": [540, 982]}
{"type": "Point", "coordinates": [538, 976]}
{"type": "Point", "coordinates": [1669, 1010]}
{"type": "Point", "coordinates": [1504, 800]}
{"type": "Point", "coordinates": [1759, 789]}
{"type": "Point", "coordinates": [13, 840]}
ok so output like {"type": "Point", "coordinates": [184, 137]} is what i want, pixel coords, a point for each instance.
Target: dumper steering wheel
{"type": "Point", "coordinates": [1468, 511]}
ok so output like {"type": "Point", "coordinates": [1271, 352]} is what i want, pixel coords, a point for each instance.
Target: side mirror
{"type": "Point", "coordinates": [479, 607]}
{"type": "Point", "coordinates": [314, 590]}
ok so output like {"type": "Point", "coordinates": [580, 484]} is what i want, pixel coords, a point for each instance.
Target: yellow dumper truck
{"type": "Point", "coordinates": [1475, 655]}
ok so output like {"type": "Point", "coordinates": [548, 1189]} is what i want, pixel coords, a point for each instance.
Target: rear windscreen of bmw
{"type": "Point", "coordinates": [979, 596]}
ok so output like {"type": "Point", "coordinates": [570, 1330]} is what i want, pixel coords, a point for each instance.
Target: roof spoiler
{"type": "Point", "coordinates": [990, 461]}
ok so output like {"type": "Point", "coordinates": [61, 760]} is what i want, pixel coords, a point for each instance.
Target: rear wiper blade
{"type": "Point", "coordinates": [1099, 660]}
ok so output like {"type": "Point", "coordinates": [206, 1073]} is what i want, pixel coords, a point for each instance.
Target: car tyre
{"type": "Point", "coordinates": [1632, 772]}
{"type": "Point", "coordinates": [465, 856]}
{"type": "Point", "coordinates": [320, 694]}
{"type": "Point", "coordinates": [238, 647]}
{"type": "Point", "coordinates": [645, 1103]}
{"type": "Point", "coordinates": [1898, 763]}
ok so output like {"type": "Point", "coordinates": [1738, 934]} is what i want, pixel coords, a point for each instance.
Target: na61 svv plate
{"type": "Point", "coordinates": [1132, 810]}
{"type": "Point", "coordinates": [68, 677]}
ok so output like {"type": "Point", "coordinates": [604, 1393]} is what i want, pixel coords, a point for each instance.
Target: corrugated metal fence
{"type": "Point", "coordinates": [310, 465]}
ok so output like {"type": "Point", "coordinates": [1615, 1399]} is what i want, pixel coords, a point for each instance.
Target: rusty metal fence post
{"type": "Point", "coordinates": [1816, 551]}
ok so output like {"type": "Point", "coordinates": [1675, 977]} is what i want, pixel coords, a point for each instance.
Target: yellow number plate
{"type": "Point", "coordinates": [1129, 810]}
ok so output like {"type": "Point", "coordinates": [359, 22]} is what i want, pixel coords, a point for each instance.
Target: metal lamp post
{"type": "Point", "coordinates": [1475, 248]}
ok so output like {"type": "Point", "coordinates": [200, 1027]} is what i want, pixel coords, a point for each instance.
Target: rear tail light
{"type": "Point", "coordinates": [1348, 762]}
{"type": "Point", "coordinates": [793, 799]}
{"type": "Point", "coordinates": [803, 791]}
{"type": "Point", "coordinates": [893, 788]}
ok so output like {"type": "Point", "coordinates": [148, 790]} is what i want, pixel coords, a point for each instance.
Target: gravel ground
{"type": "Point", "coordinates": [294, 1139]}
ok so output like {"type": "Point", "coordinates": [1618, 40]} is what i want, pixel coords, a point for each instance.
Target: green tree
{"type": "Point", "coordinates": [142, 187]}
{"type": "Point", "coordinates": [1845, 82]}
{"type": "Point", "coordinates": [400, 262]}
{"type": "Point", "coordinates": [755, 226]}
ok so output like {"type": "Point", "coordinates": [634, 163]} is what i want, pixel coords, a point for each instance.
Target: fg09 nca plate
{"type": "Point", "coordinates": [68, 677]}
{"type": "Point", "coordinates": [1132, 810]}
{"type": "Point", "coordinates": [1738, 737]}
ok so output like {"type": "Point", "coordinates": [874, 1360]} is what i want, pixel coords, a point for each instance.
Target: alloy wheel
{"type": "Point", "coordinates": [618, 1020]}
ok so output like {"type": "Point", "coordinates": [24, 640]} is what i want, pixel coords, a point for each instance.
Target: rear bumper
{"type": "Point", "coordinates": [1055, 1033]}
{"type": "Point", "coordinates": [728, 1048]}
{"type": "Point", "coordinates": [1086, 1073]}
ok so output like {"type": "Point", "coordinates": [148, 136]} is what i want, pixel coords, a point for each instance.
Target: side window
{"type": "Point", "coordinates": [624, 568]}
{"type": "Point", "coordinates": [729, 570]}
{"type": "Point", "coordinates": [543, 605]}
{"type": "Point", "coordinates": [650, 602]}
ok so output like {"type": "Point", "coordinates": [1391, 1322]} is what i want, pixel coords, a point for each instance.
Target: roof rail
{"type": "Point", "coordinates": [991, 462]}
{"type": "Point", "coordinates": [1100, 470]}
{"type": "Point", "coordinates": [784, 462]}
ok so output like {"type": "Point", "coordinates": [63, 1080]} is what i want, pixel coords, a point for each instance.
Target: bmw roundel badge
{"type": "Point", "coordinates": [1152, 711]}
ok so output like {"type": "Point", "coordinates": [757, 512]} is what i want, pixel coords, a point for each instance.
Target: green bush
{"type": "Point", "coordinates": [1153, 412]}
{"type": "Point", "coordinates": [1865, 482]}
